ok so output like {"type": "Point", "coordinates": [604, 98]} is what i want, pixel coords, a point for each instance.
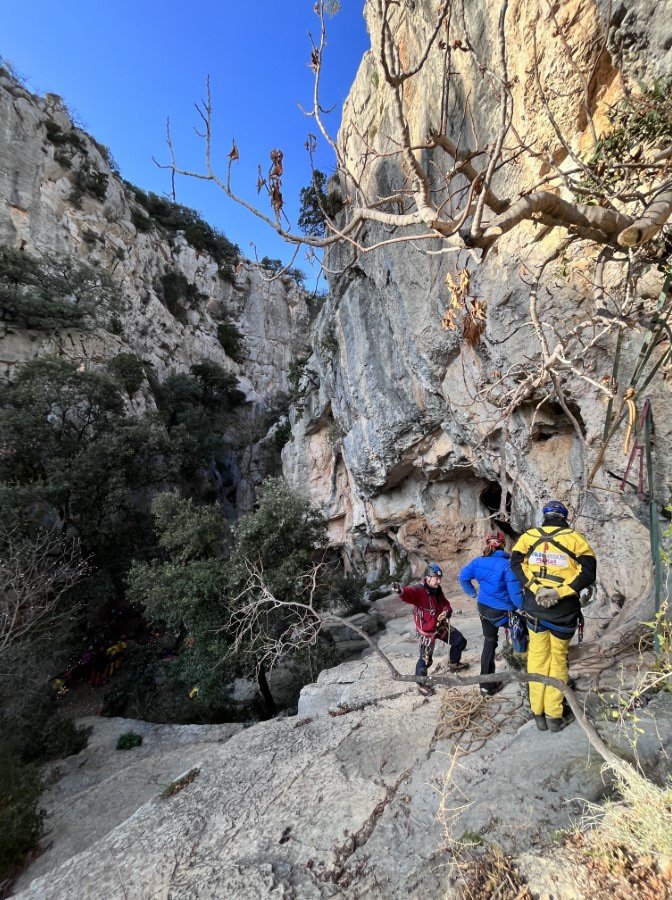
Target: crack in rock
{"type": "Point", "coordinates": [337, 873]}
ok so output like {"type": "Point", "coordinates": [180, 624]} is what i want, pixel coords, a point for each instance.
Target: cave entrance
{"type": "Point", "coordinates": [491, 498]}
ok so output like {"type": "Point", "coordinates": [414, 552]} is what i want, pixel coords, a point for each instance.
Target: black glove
{"type": "Point", "coordinates": [396, 587]}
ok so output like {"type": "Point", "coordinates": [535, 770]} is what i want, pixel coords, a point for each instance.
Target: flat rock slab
{"type": "Point", "coordinates": [360, 795]}
{"type": "Point", "coordinates": [92, 793]}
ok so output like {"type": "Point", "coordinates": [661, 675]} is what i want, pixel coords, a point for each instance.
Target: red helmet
{"type": "Point", "coordinates": [495, 539]}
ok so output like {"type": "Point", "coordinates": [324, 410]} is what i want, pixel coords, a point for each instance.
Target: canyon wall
{"type": "Point", "coordinates": [62, 195]}
{"type": "Point", "coordinates": [403, 439]}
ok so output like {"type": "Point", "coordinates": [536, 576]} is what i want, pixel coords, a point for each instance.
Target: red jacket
{"type": "Point", "coordinates": [427, 607]}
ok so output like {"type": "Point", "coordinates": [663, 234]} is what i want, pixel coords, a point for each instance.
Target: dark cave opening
{"type": "Point", "coordinates": [560, 424]}
{"type": "Point", "coordinates": [491, 498]}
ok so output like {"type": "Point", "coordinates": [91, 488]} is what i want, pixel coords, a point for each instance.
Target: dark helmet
{"type": "Point", "coordinates": [495, 539]}
{"type": "Point", "coordinates": [555, 508]}
{"type": "Point", "coordinates": [433, 570]}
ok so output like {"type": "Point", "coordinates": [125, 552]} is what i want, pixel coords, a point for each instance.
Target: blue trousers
{"type": "Point", "coordinates": [455, 640]}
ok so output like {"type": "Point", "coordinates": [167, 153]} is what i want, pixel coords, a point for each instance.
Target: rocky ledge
{"type": "Point", "coordinates": [360, 794]}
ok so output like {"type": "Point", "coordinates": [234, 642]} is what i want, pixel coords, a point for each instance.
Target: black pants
{"type": "Point", "coordinates": [490, 638]}
{"type": "Point", "coordinates": [455, 640]}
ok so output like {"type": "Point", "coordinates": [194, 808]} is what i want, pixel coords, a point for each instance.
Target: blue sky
{"type": "Point", "coordinates": [123, 67]}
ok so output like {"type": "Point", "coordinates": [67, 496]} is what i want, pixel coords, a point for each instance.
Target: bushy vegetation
{"type": "Point", "coordinates": [195, 410]}
{"type": "Point", "coordinates": [88, 181]}
{"type": "Point", "coordinates": [129, 740]}
{"type": "Point", "coordinates": [49, 292]}
{"type": "Point", "coordinates": [637, 123]}
{"type": "Point", "coordinates": [318, 205]}
{"type": "Point", "coordinates": [72, 459]}
{"type": "Point", "coordinates": [231, 339]}
{"type": "Point", "coordinates": [275, 265]}
{"type": "Point", "coordinates": [128, 371]}
{"type": "Point", "coordinates": [172, 217]}
{"type": "Point", "coordinates": [20, 821]}
{"type": "Point", "coordinates": [177, 294]}
{"type": "Point", "coordinates": [204, 568]}
{"type": "Point", "coordinates": [70, 454]}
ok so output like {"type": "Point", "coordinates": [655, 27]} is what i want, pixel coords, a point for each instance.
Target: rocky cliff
{"type": "Point", "coordinates": [62, 195]}
{"type": "Point", "coordinates": [407, 438]}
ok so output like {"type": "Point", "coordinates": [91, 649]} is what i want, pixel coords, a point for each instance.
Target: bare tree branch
{"type": "Point", "coordinates": [34, 575]}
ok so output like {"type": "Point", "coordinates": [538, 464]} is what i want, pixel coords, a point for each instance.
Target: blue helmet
{"type": "Point", "coordinates": [433, 570]}
{"type": "Point", "coordinates": [555, 508]}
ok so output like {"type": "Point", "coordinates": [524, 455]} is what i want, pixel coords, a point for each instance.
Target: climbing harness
{"type": "Point", "coordinates": [536, 624]}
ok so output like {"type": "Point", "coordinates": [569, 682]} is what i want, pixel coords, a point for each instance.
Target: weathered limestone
{"type": "Point", "coordinates": [342, 800]}
{"type": "Point", "coordinates": [37, 214]}
{"type": "Point", "coordinates": [423, 461]}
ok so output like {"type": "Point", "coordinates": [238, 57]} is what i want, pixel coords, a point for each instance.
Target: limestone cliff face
{"type": "Point", "coordinates": [400, 441]}
{"type": "Point", "coordinates": [42, 157]}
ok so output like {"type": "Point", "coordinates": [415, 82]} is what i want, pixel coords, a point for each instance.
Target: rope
{"type": "Point", "coordinates": [470, 719]}
{"type": "Point", "coordinates": [632, 418]}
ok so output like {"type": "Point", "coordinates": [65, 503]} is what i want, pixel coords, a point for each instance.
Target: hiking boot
{"type": "Point", "coordinates": [458, 666]}
{"type": "Point", "coordinates": [540, 722]}
{"type": "Point", "coordinates": [426, 690]}
{"type": "Point", "coordinates": [559, 724]}
{"type": "Point", "coordinates": [487, 690]}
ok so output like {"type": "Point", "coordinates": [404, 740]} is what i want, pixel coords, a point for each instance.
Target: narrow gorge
{"type": "Point", "coordinates": [494, 333]}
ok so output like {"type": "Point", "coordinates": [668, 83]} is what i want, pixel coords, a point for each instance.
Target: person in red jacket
{"type": "Point", "coordinates": [432, 612]}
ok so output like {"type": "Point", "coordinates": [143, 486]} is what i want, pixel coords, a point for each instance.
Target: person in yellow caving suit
{"type": "Point", "coordinates": [553, 563]}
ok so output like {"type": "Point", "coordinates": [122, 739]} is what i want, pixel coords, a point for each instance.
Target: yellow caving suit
{"type": "Point", "coordinates": [552, 556]}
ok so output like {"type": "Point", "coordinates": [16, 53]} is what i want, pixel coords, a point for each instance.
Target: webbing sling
{"type": "Point", "coordinates": [547, 538]}
{"type": "Point", "coordinates": [535, 622]}
{"type": "Point", "coordinates": [498, 622]}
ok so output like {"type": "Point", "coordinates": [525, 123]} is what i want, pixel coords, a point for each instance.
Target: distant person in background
{"type": "Point", "coordinates": [115, 656]}
{"type": "Point", "coordinates": [499, 596]}
{"type": "Point", "coordinates": [553, 563]}
{"type": "Point", "coordinates": [432, 613]}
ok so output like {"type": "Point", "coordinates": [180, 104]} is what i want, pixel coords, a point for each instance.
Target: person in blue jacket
{"type": "Point", "coordinates": [499, 593]}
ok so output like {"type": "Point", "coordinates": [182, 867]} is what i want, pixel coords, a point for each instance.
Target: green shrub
{"type": "Point", "coordinates": [50, 291]}
{"type": "Point", "coordinates": [176, 294]}
{"type": "Point", "coordinates": [347, 593]}
{"type": "Point", "coordinates": [60, 138]}
{"type": "Point", "coordinates": [106, 153]}
{"type": "Point", "coordinates": [141, 220]}
{"type": "Point", "coordinates": [317, 206]}
{"type": "Point", "coordinates": [329, 341]}
{"type": "Point", "coordinates": [231, 339]}
{"type": "Point", "coordinates": [173, 217]}
{"type": "Point", "coordinates": [315, 302]}
{"type": "Point", "coordinates": [271, 265]}
{"type": "Point", "coordinates": [88, 181]}
{"type": "Point", "coordinates": [21, 823]}
{"type": "Point", "coordinates": [127, 369]}
{"type": "Point", "coordinates": [128, 740]}
{"type": "Point", "coordinates": [282, 434]}
{"type": "Point", "coordinates": [642, 119]}
{"type": "Point", "coordinates": [116, 326]}
{"type": "Point", "coordinates": [115, 702]}
{"type": "Point", "coordinates": [275, 265]}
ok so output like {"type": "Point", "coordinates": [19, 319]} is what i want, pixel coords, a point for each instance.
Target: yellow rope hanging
{"type": "Point", "coordinates": [632, 418]}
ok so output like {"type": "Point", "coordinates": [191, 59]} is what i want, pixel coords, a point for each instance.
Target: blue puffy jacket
{"type": "Point", "coordinates": [498, 586]}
